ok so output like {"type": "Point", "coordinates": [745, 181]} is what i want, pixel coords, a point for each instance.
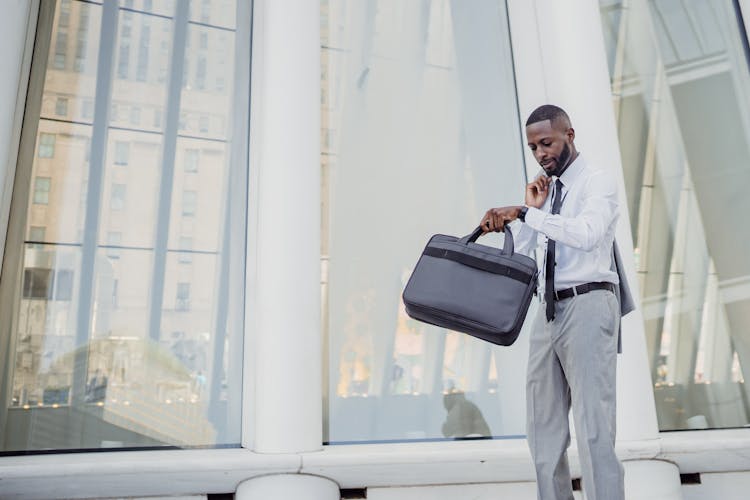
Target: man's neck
{"type": "Point", "coordinates": [573, 157]}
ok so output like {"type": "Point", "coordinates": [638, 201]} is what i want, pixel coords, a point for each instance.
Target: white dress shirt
{"type": "Point", "coordinates": [584, 230]}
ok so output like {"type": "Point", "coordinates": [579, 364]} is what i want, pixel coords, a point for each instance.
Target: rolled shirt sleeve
{"type": "Point", "coordinates": [596, 213]}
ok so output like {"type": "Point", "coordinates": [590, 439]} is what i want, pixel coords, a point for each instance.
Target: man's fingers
{"type": "Point", "coordinates": [486, 223]}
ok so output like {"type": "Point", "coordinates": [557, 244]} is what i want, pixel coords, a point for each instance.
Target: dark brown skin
{"type": "Point", "coordinates": [553, 148]}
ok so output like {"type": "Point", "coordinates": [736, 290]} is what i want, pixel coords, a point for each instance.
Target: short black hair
{"type": "Point", "coordinates": [548, 112]}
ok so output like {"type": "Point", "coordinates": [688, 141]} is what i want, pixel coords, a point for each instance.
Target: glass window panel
{"type": "Point", "coordinates": [151, 365]}
{"type": "Point", "coordinates": [684, 140]}
{"type": "Point", "coordinates": [419, 116]}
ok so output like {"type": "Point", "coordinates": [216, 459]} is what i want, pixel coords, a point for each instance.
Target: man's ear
{"type": "Point", "coordinates": [571, 133]}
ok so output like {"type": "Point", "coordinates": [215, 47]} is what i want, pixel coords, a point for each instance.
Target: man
{"type": "Point", "coordinates": [571, 209]}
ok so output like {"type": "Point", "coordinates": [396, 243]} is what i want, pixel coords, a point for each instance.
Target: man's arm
{"type": "Point", "coordinates": [524, 237]}
{"type": "Point", "coordinates": [586, 230]}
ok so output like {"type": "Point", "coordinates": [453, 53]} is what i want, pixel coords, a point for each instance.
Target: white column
{"type": "Point", "coordinates": [652, 480]}
{"type": "Point", "coordinates": [287, 487]}
{"type": "Point", "coordinates": [560, 59]}
{"type": "Point", "coordinates": [569, 58]}
{"type": "Point", "coordinates": [283, 322]}
{"type": "Point", "coordinates": [15, 60]}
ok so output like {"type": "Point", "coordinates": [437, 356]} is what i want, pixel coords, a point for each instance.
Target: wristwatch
{"type": "Point", "coordinates": [522, 213]}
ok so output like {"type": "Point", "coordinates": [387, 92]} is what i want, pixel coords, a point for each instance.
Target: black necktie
{"type": "Point", "coordinates": [549, 263]}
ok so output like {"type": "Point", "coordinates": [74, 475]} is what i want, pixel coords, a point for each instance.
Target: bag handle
{"type": "Point", "coordinates": [508, 246]}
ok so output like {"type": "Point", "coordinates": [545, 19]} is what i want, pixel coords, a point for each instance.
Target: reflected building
{"type": "Point", "coordinates": [680, 92]}
{"type": "Point", "coordinates": [157, 203]}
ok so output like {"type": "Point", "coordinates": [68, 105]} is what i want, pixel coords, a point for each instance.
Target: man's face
{"type": "Point", "coordinates": [552, 145]}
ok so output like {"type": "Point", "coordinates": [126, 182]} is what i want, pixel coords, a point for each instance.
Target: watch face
{"type": "Point", "coordinates": [522, 213]}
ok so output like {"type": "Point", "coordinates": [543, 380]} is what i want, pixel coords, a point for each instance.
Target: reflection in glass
{"type": "Point", "coordinates": [420, 135]}
{"type": "Point", "coordinates": [122, 321]}
{"type": "Point", "coordinates": [680, 89]}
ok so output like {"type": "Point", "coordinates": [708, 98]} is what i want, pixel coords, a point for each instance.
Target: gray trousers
{"type": "Point", "coordinates": [573, 359]}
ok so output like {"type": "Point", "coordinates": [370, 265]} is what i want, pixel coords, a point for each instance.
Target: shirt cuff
{"type": "Point", "coordinates": [535, 218]}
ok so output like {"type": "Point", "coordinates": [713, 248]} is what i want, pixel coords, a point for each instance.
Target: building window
{"type": "Point", "coordinates": [124, 60]}
{"type": "Point", "coordinates": [182, 302]}
{"type": "Point", "coordinates": [122, 152]}
{"type": "Point", "coordinates": [64, 285]}
{"type": "Point", "coordinates": [189, 202]}
{"type": "Point", "coordinates": [205, 11]}
{"type": "Point", "coordinates": [186, 250]}
{"type": "Point", "coordinates": [135, 115]}
{"type": "Point", "coordinates": [61, 106]}
{"type": "Point", "coordinates": [46, 145]}
{"type": "Point", "coordinates": [115, 301]}
{"type": "Point", "coordinates": [141, 73]}
{"type": "Point", "coordinates": [79, 64]}
{"type": "Point", "coordinates": [64, 20]}
{"type": "Point", "coordinates": [41, 190]}
{"type": "Point", "coordinates": [203, 124]}
{"type": "Point", "coordinates": [200, 74]}
{"type": "Point", "coordinates": [191, 160]}
{"type": "Point", "coordinates": [114, 240]}
{"type": "Point", "coordinates": [87, 109]}
{"type": "Point", "coordinates": [117, 202]}
{"type": "Point", "coordinates": [61, 49]}
{"type": "Point", "coordinates": [37, 283]}
{"type": "Point", "coordinates": [37, 234]}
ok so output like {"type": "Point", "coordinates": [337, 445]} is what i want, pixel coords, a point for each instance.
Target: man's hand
{"type": "Point", "coordinates": [496, 218]}
{"type": "Point", "coordinates": [537, 191]}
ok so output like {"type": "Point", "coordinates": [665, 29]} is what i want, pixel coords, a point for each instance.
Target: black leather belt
{"type": "Point", "coordinates": [585, 288]}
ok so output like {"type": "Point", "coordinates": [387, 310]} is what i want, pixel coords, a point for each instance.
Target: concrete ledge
{"type": "Point", "coordinates": [726, 450]}
{"type": "Point", "coordinates": [136, 473]}
{"type": "Point", "coordinates": [182, 472]}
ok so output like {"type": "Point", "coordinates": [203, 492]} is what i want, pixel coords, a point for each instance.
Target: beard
{"type": "Point", "coordinates": [562, 162]}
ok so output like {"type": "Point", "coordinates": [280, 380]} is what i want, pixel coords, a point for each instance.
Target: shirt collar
{"type": "Point", "coordinates": [571, 174]}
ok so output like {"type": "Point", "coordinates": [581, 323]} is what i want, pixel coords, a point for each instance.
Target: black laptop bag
{"type": "Point", "coordinates": [476, 289]}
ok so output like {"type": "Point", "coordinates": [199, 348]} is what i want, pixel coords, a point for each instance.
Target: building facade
{"type": "Point", "coordinates": [210, 209]}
